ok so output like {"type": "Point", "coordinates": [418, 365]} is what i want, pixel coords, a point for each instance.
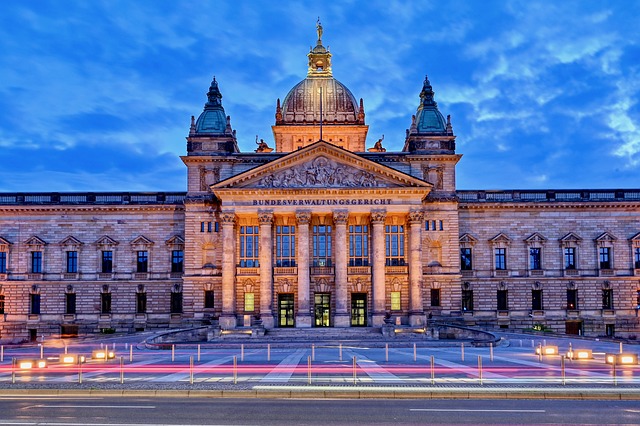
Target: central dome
{"type": "Point", "coordinates": [306, 99]}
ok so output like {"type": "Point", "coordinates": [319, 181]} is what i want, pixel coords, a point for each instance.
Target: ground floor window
{"type": "Point", "coordinates": [208, 299]}
{"type": "Point", "coordinates": [176, 303]}
{"type": "Point", "coordinates": [395, 301]}
{"type": "Point", "coordinates": [34, 304]}
{"type": "Point", "coordinates": [467, 300]}
{"type": "Point", "coordinates": [141, 303]}
{"type": "Point", "coordinates": [435, 297]}
{"type": "Point", "coordinates": [503, 300]}
{"type": "Point", "coordinates": [70, 303]}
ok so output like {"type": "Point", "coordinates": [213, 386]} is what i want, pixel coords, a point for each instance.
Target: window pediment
{"type": "Point", "coordinates": [175, 241]}
{"type": "Point", "coordinates": [35, 243]}
{"type": "Point", "coordinates": [4, 244]}
{"type": "Point", "coordinates": [570, 239]}
{"type": "Point", "coordinates": [500, 239]}
{"type": "Point", "coordinates": [605, 237]}
{"type": "Point", "coordinates": [141, 242]}
{"type": "Point", "coordinates": [106, 242]}
{"type": "Point", "coordinates": [468, 239]}
{"type": "Point", "coordinates": [71, 242]}
{"type": "Point", "coordinates": [535, 239]}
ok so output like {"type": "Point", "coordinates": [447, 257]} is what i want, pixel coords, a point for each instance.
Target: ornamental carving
{"type": "Point", "coordinates": [416, 216]}
{"type": "Point", "coordinates": [378, 216]}
{"type": "Point", "coordinates": [340, 217]}
{"type": "Point", "coordinates": [228, 218]}
{"type": "Point", "coordinates": [265, 217]}
{"type": "Point", "coordinates": [320, 172]}
{"type": "Point", "coordinates": [303, 217]}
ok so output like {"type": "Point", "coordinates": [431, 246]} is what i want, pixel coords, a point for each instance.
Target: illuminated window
{"type": "Point", "coordinates": [358, 245]}
{"type": "Point", "coordinates": [249, 248]}
{"type": "Point", "coordinates": [72, 262]}
{"type": "Point", "coordinates": [395, 301]}
{"type": "Point", "coordinates": [394, 245]}
{"type": "Point", "coordinates": [249, 302]}
{"type": "Point", "coordinates": [321, 245]}
{"type": "Point", "coordinates": [285, 246]}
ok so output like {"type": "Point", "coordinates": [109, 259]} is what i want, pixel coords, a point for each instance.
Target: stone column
{"type": "Point", "coordinates": [340, 253]}
{"type": "Point", "coordinates": [303, 319]}
{"type": "Point", "coordinates": [266, 268]}
{"type": "Point", "coordinates": [416, 308]}
{"type": "Point", "coordinates": [228, 317]}
{"type": "Point", "coordinates": [378, 267]}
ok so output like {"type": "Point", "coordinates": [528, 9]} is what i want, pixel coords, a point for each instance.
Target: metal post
{"type": "Point", "coordinates": [433, 371]}
{"type": "Point", "coordinates": [313, 351]}
{"type": "Point", "coordinates": [65, 349]}
{"type": "Point", "coordinates": [121, 370]}
{"type": "Point", "coordinates": [570, 352]}
{"type": "Point", "coordinates": [41, 351]}
{"type": "Point", "coordinates": [340, 351]}
{"type": "Point", "coordinates": [114, 346]}
{"type": "Point", "coordinates": [269, 352]}
{"type": "Point", "coordinates": [131, 353]}
{"type": "Point", "coordinates": [620, 347]}
{"type": "Point", "coordinates": [191, 369]}
{"type": "Point", "coordinates": [480, 368]}
{"type": "Point", "coordinates": [79, 370]}
{"type": "Point", "coordinates": [354, 370]}
{"type": "Point", "coordinates": [13, 370]}
{"type": "Point", "coordinates": [562, 369]}
{"type": "Point", "coordinates": [198, 353]}
{"type": "Point", "coordinates": [491, 351]}
{"type": "Point", "coordinates": [309, 369]}
{"type": "Point", "coordinates": [540, 352]}
{"type": "Point", "coordinates": [386, 352]}
{"type": "Point", "coordinates": [242, 352]}
{"type": "Point", "coordinates": [615, 378]}
{"type": "Point", "coordinates": [2, 353]}
{"type": "Point", "coordinates": [415, 354]}
{"type": "Point", "coordinates": [462, 351]}
{"type": "Point", "coordinates": [173, 353]}
{"type": "Point", "coordinates": [533, 344]}
{"type": "Point", "coordinates": [235, 370]}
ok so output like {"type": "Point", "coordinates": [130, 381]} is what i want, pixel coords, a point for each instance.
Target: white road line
{"type": "Point", "coordinates": [284, 370]}
{"type": "Point", "coordinates": [374, 370]}
{"type": "Point", "coordinates": [184, 374]}
{"type": "Point", "coordinates": [15, 423]}
{"type": "Point", "coordinates": [463, 410]}
{"type": "Point", "coordinates": [148, 407]}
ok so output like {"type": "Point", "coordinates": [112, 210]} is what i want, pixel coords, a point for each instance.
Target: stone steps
{"type": "Point", "coordinates": [364, 333]}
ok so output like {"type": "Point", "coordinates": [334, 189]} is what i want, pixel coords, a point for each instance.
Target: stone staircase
{"type": "Point", "coordinates": [324, 334]}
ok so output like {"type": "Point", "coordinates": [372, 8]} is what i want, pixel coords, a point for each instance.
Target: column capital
{"type": "Point", "coordinates": [228, 217]}
{"type": "Point", "coordinates": [415, 216]}
{"type": "Point", "coordinates": [303, 217]}
{"type": "Point", "coordinates": [265, 217]}
{"type": "Point", "coordinates": [378, 216]}
{"type": "Point", "coordinates": [340, 217]}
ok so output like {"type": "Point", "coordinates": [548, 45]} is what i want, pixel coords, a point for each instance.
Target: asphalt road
{"type": "Point", "coordinates": [55, 411]}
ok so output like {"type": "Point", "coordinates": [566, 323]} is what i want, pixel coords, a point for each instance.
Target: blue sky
{"type": "Point", "coordinates": [97, 95]}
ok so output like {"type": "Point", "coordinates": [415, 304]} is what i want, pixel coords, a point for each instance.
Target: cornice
{"type": "Point", "coordinates": [90, 208]}
{"type": "Point", "coordinates": [583, 205]}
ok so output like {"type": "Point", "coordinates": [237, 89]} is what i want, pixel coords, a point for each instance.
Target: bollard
{"type": "Point", "coordinates": [620, 347]}
{"type": "Point", "coordinates": [131, 353]}
{"type": "Point", "coordinates": [354, 370]}
{"type": "Point", "coordinates": [79, 371]}
{"type": "Point", "coordinates": [242, 352]}
{"type": "Point", "coordinates": [520, 342]}
{"type": "Point", "coordinates": [386, 352]}
{"type": "Point", "coordinates": [114, 346]}
{"type": "Point", "coordinates": [539, 352]}
{"type": "Point", "coordinates": [340, 351]}
{"type": "Point", "coordinates": [433, 371]}
{"type": "Point", "coordinates": [462, 351]}
{"type": "Point", "coordinates": [191, 369]}
{"type": "Point", "coordinates": [235, 370]}
{"type": "Point", "coordinates": [570, 352]}
{"type": "Point", "coordinates": [533, 344]}
{"type": "Point", "coordinates": [491, 351]}
{"type": "Point", "coordinates": [65, 349]}
{"type": "Point", "coordinates": [198, 353]}
{"type": "Point", "coordinates": [415, 354]}
{"type": "Point", "coordinates": [313, 352]}
{"type": "Point", "coordinates": [173, 353]}
{"type": "Point", "coordinates": [480, 368]}
{"type": "Point", "coordinates": [309, 369]}
{"type": "Point", "coordinates": [41, 351]}
{"type": "Point", "coordinates": [613, 365]}
{"type": "Point", "coordinates": [269, 352]}
{"type": "Point", "coordinates": [562, 369]}
{"type": "Point", "coordinates": [13, 370]}
{"type": "Point", "coordinates": [2, 353]}
{"type": "Point", "coordinates": [121, 370]}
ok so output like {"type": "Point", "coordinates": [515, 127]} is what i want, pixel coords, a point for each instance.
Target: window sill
{"type": "Point", "coordinates": [35, 277]}
{"type": "Point", "coordinates": [285, 270]}
{"type": "Point", "coordinates": [536, 273]}
{"type": "Point", "coordinates": [70, 276]}
{"type": "Point", "coordinates": [501, 273]}
{"type": "Point", "coordinates": [605, 272]}
{"type": "Point", "coordinates": [69, 317]}
{"type": "Point", "coordinates": [571, 272]}
{"type": "Point", "coordinates": [397, 270]}
{"type": "Point", "coordinates": [105, 275]}
{"type": "Point", "coordinates": [608, 313]}
{"type": "Point", "coordinates": [141, 276]}
{"type": "Point", "coordinates": [359, 270]}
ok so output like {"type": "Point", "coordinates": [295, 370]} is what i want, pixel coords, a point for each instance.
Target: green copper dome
{"type": "Point", "coordinates": [428, 117]}
{"type": "Point", "coordinates": [213, 120]}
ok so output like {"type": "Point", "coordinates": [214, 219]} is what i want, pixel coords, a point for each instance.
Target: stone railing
{"type": "Point", "coordinates": [83, 198]}
{"type": "Point", "coordinates": [548, 196]}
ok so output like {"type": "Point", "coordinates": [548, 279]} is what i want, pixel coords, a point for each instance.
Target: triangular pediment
{"type": "Point", "coordinates": [105, 240]}
{"type": "Point", "coordinates": [322, 166]}
{"type": "Point", "coordinates": [635, 238]}
{"type": "Point", "coordinates": [176, 240]}
{"type": "Point", "coordinates": [535, 238]}
{"type": "Point", "coordinates": [71, 241]}
{"type": "Point", "coordinates": [141, 241]}
{"type": "Point", "coordinates": [4, 242]}
{"type": "Point", "coordinates": [606, 236]}
{"type": "Point", "coordinates": [500, 238]}
{"type": "Point", "coordinates": [35, 241]}
{"type": "Point", "coordinates": [571, 238]}
{"type": "Point", "coordinates": [467, 238]}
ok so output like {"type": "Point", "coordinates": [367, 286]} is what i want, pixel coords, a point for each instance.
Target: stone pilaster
{"type": "Point", "coordinates": [378, 267]}
{"type": "Point", "coordinates": [266, 268]}
{"type": "Point", "coordinates": [303, 319]}
{"type": "Point", "coordinates": [341, 317]}
{"type": "Point", "coordinates": [228, 318]}
{"type": "Point", "coordinates": [416, 308]}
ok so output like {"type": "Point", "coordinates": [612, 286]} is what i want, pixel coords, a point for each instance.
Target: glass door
{"type": "Point", "coordinates": [322, 309]}
{"type": "Point", "coordinates": [358, 309]}
{"type": "Point", "coordinates": [285, 310]}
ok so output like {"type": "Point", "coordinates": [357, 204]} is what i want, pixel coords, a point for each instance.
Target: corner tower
{"type": "Point", "coordinates": [320, 108]}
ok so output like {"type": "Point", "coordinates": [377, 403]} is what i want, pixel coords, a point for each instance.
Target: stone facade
{"type": "Point", "coordinates": [319, 233]}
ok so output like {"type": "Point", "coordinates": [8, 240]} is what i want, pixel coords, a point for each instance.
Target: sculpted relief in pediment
{"type": "Point", "coordinates": [321, 172]}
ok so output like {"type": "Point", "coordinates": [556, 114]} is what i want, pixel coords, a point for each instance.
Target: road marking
{"type": "Point", "coordinates": [93, 406]}
{"type": "Point", "coordinates": [463, 410]}
{"type": "Point", "coordinates": [14, 423]}
{"type": "Point", "coordinates": [284, 370]}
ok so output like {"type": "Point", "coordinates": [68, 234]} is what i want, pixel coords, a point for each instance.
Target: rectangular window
{"type": "Point", "coordinates": [503, 300]}
{"type": "Point", "coordinates": [536, 300]}
{"type": "Point", "coordinates": [636, 257]}
{"type": "Point", "coordinates": [209, 227]}
{"type": "Point", "coordinates": [141, 303]}
{"type": "Point", "coordinates": [441, 225]}
{"type": "Point", "coordinates": [249, 247]}
{"type": "Point", "coordinates": [433, 225]}
{"type": "Point", "coordinates": [605, 257]}
{"type": "Point", "coordinates": [395, 301]}
{"type": "Point", "coordinates": [249, 302]}
{"type": "Point", "coordinates": [435, 297]}
{"type": "Point", "coordinates": [142, 262]}
{"type": "Point", "coordinates": [572, 299]}
{"type": "Point", "coordinates": [607, 299]}
{"type": "Point", "coordinates": [535, 258]}
{"type": "Point", "coordinates": [36, 262]}
{"type": "Point", "coordinates": [70, 303]}
{"type": "Point", "coordinates": [637, 299]}
{"type": "Point", "coordinates": [467, 300]}
{"type": "Point", "coordinates": [466, 263]}
{"type": "Point", "coordinates": [285, 246]}
{"type": "Point", "coordinates": [72, 262]}
{"type": "Point", "coordinates": [34, 304]}
{"type": "Point", "coordinates": [105, 303]}
{"type": "Point", "coordinates": [208, 299]}
{"type": "Point", "coordinates": [3, 262]}
{"type": "Point", "coordinates": [202, 225]}
{"type": "Point", "coordinates": [321, 245]}
{"type": "Point", "coordinates": [216, 227]}
{"type": "Point", "coordinates": [176, 303]}
{"type": "Point", "coordinates": [501, 258]}
{"type": "Point", "coordinates": [394, 245]}
{"type": "Point", "coordinates": [358, 245]}
{"type": "Point", "coordinates": [177, 260]}
{"type": "Point", "coordinates": [107, 262]}
{"type": "Point", "coordinates": [1, 303]}
{"type": "Point", "coordinates": [570, 258]}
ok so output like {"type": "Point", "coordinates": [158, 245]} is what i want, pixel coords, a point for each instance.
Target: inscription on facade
{"type": "Point", "coordinates": [370, 202]}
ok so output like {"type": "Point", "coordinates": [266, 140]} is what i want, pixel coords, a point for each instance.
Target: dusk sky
{"type": "Point", "coordinates": [98, 95]}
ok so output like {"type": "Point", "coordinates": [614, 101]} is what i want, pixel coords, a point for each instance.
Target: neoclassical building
{"type": "Point", "coordinates": [322, 230]}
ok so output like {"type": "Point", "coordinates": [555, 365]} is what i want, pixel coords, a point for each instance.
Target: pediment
{"type": "Point", "coordinates": [71, 241]}
{"type": "Point", "coordinates": [141, 241]}
{"type": "Point", "coordinates": [500, 238]}
{"type": "Point", "coordinates": [321, 166]}
{"type": "Point", "coordinates": [105, 240]}
{"type": "Point", "coordinates": [571, 237]}
{"type": "Point", "coordinates": [635, 238]}
{"type": "Point", "coordinates": [606, 237]}
{"type": "Point", "coordinates": [4, 242]}
{"type": "Point", "coordinates": [35, 241]}
{"type": "Point", "coordinates": [468, 239]}
{"type": "Point", "coordinates": [176, 240]}
{"type": "Point", "coordinates": [536, 238]}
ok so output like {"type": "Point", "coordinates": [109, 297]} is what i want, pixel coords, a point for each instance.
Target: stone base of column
{"type": "Point", "coordinates": [341, 320]}
{"type": "Point", "coordinates": [268, 321]}
{"type": "Point", "coordinates": [377, 320]}
{"type": "Point", "coordinates": [228, 322]}
{"type": "Point", "coordinates": [303, 321]}
{"type": "Point", "coordinates": [416, 319]}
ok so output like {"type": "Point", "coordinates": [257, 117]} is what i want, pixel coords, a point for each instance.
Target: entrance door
{"type": "Point", "coordinates": [322, 309]}
{"type": "Point", "coordinates": [573, 327]}
{"type": "Point", "coordinates": [285, 310]}
{"type": "Point", "coordinates": [358, 309]}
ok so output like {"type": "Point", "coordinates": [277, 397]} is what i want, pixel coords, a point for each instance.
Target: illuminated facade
{"type": "Point", "coordinates": [320, 232]}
